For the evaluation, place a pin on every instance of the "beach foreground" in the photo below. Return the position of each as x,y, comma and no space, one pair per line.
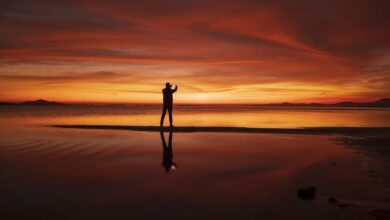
109,174
58,167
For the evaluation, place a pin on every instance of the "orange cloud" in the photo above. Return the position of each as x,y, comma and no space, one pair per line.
219,52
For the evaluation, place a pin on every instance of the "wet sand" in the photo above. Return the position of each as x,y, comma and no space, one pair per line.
380,131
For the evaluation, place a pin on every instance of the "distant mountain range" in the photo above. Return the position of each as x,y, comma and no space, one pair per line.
379,103
39,102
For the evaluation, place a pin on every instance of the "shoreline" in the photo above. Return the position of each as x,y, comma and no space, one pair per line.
191,129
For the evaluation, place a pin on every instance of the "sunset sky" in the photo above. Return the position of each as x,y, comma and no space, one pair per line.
123,51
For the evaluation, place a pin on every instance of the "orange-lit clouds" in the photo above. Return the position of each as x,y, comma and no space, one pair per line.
217,51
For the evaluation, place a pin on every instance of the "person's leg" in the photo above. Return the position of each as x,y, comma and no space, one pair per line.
163,115
170,116
170,138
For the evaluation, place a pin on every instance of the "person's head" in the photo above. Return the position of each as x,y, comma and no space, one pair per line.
167,85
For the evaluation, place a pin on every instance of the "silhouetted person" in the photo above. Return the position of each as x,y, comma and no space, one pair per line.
167,102
167,163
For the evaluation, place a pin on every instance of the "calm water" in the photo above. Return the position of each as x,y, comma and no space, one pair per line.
244,116
55,173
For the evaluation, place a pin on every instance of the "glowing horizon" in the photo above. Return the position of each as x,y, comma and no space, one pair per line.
222,53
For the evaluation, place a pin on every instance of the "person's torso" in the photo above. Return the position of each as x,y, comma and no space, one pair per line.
168,97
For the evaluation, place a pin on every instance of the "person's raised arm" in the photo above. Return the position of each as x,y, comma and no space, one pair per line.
175,89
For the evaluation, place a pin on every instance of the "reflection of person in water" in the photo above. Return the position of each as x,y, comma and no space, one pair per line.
167,163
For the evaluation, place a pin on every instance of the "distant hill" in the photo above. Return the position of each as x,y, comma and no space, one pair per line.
379,103
41,102
382,103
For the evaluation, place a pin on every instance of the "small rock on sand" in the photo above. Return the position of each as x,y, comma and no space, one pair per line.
307,192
